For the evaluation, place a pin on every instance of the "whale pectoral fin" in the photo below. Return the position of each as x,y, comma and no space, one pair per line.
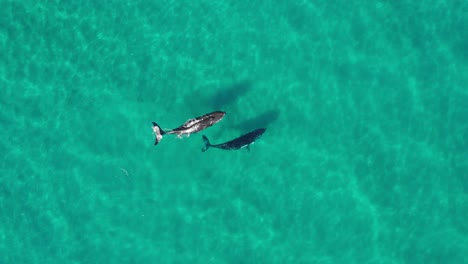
248,148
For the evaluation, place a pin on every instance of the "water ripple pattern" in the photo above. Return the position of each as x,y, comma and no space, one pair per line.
364,160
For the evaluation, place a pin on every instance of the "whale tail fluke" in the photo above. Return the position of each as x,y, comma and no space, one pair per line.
158,132
207,144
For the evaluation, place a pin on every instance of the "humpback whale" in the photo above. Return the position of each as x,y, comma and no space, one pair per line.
243,141
191,126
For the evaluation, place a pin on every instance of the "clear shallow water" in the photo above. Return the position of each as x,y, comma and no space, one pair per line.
364,159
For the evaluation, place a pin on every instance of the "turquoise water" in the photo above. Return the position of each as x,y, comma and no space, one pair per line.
365,157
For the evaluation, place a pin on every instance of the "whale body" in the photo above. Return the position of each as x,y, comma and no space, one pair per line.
191,126
243,141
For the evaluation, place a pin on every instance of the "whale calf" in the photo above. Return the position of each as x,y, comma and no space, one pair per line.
191,126
243,141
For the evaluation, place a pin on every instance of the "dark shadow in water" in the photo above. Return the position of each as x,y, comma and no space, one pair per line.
263,120
218,99
229,95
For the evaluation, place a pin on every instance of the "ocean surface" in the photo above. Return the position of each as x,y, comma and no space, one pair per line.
364,158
